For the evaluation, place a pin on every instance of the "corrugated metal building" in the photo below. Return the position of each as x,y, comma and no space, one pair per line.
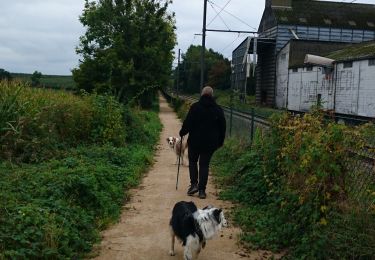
347,88
284,20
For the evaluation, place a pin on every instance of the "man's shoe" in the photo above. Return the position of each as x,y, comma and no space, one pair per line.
202,194
193,189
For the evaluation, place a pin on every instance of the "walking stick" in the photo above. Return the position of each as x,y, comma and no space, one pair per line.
179,158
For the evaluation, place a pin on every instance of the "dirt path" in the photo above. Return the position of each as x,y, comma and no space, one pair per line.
143,233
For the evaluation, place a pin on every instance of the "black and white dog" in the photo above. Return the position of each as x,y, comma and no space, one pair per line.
194,226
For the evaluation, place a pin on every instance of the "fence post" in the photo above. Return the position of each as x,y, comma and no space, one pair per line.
252,125
231,115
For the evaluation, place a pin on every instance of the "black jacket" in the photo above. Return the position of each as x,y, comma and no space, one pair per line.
205,124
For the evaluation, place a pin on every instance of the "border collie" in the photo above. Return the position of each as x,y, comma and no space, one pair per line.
194,226
175,145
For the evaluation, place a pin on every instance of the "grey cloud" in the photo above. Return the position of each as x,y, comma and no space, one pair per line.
40,35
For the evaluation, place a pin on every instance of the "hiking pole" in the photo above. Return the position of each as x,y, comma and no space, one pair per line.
179,158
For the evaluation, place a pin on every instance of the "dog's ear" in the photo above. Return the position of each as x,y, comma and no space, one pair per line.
217,215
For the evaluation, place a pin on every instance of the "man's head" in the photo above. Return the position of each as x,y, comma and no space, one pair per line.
207,91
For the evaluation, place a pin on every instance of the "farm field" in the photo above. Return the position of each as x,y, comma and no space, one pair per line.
49,81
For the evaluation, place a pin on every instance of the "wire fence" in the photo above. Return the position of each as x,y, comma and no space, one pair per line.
241,124
360,165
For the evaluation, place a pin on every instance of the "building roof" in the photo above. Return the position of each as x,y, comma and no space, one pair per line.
359,51
299,49
327,14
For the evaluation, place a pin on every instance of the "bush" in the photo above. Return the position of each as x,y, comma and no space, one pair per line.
298,190
55,209
36,124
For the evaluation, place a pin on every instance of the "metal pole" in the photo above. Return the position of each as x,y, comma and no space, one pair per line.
252,124
230,31
231,114
178,72
203,50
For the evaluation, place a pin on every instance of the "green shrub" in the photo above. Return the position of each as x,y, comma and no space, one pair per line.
297,191
107,121
135,120
55,209
37,124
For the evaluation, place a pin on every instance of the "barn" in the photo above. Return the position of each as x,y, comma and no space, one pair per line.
285,20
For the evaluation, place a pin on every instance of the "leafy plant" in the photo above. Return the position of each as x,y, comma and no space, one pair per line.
298,189
55,209
39,123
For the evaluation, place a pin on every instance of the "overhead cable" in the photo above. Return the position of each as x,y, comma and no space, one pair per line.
239,19
217,14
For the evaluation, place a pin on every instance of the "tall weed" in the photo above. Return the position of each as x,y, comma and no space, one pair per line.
37,124
297,190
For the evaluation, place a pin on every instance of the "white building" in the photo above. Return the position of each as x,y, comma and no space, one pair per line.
347,87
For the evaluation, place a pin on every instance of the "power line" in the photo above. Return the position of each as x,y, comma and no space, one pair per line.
230,44
239,19
219,12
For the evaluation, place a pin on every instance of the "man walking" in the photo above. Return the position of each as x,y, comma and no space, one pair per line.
205,124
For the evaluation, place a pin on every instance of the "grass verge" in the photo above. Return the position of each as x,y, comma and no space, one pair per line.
55,206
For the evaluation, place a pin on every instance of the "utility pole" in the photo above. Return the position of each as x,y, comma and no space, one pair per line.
203,50
178,72
204,30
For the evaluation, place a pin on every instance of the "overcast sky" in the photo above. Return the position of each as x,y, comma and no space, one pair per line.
42,34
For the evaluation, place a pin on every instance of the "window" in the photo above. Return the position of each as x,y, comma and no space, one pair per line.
348,64
352,23
371,62
295,69
283,56
309,68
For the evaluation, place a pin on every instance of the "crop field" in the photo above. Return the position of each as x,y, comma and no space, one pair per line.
49,81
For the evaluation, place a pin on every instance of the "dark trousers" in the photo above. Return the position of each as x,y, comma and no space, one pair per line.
204,158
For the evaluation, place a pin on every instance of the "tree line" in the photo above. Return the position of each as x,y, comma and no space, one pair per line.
127,48
217,70
35,77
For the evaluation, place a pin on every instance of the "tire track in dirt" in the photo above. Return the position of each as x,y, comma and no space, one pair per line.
143,232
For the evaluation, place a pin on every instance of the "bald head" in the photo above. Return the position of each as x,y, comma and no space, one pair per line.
207,91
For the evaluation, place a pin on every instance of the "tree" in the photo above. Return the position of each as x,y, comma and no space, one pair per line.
217,70
219,74
127,48
5,75
35,78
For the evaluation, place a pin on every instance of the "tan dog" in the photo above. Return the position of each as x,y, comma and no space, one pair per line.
175,145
